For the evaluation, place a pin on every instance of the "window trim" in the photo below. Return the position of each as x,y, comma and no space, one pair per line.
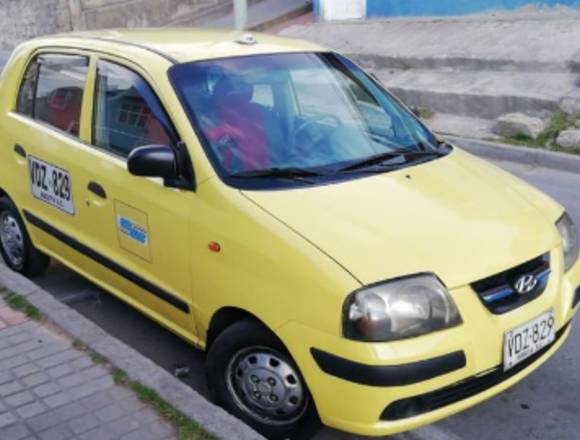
169,130
21,82
34,57
186,178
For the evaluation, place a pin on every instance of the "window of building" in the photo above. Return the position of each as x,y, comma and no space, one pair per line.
127,113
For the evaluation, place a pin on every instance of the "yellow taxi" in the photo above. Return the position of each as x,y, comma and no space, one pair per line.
268,201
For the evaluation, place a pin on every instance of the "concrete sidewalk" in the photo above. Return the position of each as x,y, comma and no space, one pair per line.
52,391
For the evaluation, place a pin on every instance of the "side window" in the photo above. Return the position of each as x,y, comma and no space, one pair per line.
127,112
52,91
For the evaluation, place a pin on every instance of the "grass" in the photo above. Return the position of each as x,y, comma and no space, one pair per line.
559,122
187,429
79,345
425,113
98,359
21,304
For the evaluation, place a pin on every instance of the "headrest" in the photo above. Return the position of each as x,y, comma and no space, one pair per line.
233,90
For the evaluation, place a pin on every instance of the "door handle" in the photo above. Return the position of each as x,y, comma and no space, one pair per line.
97,189
19,149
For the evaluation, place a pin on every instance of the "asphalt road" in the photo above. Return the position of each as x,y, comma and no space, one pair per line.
544,406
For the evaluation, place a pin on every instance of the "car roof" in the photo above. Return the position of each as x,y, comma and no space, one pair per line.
181,45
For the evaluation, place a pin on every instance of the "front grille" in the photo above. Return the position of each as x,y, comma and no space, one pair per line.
497,292
414,406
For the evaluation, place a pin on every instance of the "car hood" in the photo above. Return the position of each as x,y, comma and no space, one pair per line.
453,216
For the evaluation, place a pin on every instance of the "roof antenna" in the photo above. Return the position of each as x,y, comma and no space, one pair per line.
247,39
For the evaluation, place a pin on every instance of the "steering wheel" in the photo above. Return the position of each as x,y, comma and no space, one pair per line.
312,120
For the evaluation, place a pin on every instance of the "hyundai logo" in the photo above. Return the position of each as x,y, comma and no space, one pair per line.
525,284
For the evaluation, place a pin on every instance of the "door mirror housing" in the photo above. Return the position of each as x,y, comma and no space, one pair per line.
153,161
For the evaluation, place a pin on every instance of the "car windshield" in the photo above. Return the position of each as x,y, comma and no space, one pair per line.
297,116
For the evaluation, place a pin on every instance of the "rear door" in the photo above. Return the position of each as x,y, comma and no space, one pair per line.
45,128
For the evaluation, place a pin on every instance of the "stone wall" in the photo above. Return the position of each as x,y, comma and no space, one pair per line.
24,19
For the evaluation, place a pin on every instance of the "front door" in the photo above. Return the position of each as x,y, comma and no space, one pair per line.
135,229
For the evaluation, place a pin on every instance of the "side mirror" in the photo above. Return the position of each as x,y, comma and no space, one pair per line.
153,161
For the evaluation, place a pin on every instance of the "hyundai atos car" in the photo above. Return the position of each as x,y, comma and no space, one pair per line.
271,203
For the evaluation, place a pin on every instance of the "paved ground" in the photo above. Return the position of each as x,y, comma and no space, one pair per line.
543,406
51,391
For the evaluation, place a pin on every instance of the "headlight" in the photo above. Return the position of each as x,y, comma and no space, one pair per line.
399,309
570,243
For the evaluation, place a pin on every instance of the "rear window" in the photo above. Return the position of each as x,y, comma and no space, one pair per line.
52,91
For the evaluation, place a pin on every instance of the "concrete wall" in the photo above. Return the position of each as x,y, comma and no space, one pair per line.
98,14
24,19
401,8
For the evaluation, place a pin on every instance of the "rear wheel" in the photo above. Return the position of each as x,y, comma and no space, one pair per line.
252,376
15,245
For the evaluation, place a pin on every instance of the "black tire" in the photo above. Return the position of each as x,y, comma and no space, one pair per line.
243,337
32,262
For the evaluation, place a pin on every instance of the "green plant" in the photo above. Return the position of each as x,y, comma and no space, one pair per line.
425,113
98,359
21,304
79,345
187,429
559,122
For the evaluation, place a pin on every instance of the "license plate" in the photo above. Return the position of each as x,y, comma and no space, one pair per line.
522,342
51,184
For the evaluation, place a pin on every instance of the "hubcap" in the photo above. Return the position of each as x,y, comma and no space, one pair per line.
266,387
12,239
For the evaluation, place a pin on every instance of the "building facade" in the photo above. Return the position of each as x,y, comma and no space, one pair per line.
359,9
24,19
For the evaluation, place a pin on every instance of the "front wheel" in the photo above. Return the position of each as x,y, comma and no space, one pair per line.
253,377
16,247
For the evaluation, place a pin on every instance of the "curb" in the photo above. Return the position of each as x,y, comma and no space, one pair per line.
525,155
212,418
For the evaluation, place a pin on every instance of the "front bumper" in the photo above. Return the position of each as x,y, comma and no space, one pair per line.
383,389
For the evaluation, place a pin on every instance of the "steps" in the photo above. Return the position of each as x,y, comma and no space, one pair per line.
469,70
478,94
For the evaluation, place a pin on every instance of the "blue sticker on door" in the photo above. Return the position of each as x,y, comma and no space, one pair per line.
133,230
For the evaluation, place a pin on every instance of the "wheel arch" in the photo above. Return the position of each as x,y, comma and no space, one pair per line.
224,318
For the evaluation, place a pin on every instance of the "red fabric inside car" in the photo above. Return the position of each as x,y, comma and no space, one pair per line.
241,120
156,134
64,107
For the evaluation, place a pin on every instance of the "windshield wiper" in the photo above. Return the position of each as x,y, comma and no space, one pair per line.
300,174
379,159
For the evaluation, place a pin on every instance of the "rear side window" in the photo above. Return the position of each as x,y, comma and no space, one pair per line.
52,91
25,104
127,113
